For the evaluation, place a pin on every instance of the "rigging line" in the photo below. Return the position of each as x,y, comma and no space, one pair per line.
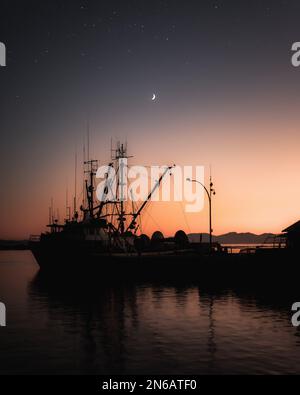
134,210
140,222
139,219
157,166
109,186
155,222
140,225
185,217
79,197
147,213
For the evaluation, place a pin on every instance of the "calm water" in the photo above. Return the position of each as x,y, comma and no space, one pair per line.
64,327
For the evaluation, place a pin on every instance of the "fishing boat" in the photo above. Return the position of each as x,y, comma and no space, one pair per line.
107,234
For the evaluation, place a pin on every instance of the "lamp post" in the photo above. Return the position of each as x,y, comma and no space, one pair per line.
209,193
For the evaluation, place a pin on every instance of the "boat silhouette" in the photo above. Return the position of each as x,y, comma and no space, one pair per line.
106,236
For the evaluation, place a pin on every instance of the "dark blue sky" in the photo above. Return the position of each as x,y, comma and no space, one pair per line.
73,61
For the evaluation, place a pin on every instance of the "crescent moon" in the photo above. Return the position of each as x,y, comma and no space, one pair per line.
153,97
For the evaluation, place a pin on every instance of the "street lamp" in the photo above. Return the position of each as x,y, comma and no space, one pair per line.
209,193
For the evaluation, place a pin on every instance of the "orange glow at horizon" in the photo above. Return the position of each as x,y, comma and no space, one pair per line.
255,164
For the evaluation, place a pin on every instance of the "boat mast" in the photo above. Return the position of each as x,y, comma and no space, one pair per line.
90,188
75,189
120,157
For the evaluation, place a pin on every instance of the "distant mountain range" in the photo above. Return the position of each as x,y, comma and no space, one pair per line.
234,238
228,238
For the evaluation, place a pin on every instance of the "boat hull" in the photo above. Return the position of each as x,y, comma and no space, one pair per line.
218,268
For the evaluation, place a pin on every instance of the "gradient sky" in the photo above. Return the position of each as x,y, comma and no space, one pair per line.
227,96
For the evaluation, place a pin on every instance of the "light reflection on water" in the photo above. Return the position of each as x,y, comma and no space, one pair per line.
70,327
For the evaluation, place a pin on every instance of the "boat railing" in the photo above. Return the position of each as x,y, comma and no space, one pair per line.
275,242
35,238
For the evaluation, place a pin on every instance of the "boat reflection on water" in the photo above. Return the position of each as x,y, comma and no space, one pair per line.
167,328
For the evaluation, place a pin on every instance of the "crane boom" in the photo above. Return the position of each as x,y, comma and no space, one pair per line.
149,197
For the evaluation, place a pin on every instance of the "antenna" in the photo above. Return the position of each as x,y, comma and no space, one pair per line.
83,169
68,213
88,140
83,151
52,216
75,184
